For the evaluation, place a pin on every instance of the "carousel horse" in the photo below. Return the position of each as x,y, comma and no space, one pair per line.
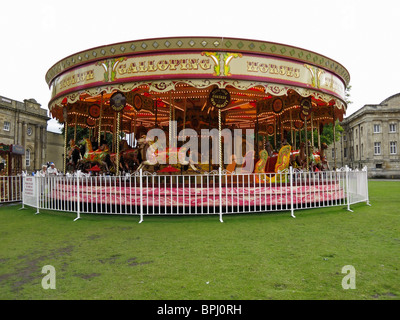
129,157
282,163
248,163
269,149
232,165
299,158
195,164
260,166
101,156
73,155
152,155
323,164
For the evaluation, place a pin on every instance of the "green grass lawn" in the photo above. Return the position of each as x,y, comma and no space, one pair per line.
249,256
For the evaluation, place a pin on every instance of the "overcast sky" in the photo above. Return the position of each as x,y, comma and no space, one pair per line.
364,35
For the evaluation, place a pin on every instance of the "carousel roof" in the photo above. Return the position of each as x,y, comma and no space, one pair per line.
267,82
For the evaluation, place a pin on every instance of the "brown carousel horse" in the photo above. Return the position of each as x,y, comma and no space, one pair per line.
73,156
130,158
323,164
299,158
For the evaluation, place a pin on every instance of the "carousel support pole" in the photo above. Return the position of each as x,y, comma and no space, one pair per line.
174,127
76,120
299,137
134,127
113,147
334,139
184,116
117,144
291,127
65,144
312,131
155,113
319,137
220,139
170,122
275,133
257,156
305,133
220,163
210,140
101,115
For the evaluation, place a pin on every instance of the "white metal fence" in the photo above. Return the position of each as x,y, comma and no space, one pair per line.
10,189
184,194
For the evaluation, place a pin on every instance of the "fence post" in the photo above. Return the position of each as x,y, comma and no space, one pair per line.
291,192
38,192
78,196
347,188
141,195
220,195
366,179
22,191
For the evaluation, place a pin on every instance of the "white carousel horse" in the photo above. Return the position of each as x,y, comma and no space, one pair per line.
153,156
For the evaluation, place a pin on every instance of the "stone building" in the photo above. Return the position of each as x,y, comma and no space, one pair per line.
25,124
371,138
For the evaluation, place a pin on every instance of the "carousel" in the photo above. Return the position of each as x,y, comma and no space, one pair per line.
278,97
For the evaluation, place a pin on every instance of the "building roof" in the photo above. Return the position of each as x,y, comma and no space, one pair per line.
390,104
391,98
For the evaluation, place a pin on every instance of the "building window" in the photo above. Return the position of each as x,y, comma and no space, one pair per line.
345,152
377,148
392,127
393,147
7,126
27,157
333,153
378,166
344,138
29,131
377,128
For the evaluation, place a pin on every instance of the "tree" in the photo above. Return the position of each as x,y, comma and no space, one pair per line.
81,133
347,95
327,133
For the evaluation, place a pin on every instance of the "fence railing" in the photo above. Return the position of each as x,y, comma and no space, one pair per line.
193,194
10,189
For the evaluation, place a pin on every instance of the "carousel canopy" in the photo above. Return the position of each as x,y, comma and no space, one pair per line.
263,82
